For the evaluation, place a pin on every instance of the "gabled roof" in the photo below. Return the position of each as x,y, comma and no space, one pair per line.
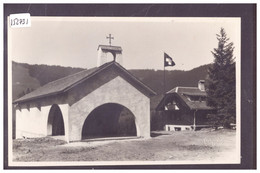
183,93
66,83
192,91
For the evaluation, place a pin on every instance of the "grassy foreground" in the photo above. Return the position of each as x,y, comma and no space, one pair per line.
202,145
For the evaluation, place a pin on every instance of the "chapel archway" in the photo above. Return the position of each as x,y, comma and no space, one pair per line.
109,120
55,125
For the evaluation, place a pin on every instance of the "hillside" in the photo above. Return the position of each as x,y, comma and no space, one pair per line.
22,80
173,78
29,77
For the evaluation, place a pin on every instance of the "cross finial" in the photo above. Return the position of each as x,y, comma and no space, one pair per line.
110,37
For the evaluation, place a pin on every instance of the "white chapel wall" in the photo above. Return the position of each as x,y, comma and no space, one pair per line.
115,91
33,122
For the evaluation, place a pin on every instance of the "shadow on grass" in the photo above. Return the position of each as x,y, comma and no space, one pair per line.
156,134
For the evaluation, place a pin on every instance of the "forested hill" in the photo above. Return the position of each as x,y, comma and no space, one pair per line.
173,78
29,77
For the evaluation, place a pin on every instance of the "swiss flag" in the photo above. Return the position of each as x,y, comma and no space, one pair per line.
168,60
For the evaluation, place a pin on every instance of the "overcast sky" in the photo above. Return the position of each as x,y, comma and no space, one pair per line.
74,41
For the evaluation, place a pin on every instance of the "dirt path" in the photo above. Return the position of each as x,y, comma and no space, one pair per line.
178,146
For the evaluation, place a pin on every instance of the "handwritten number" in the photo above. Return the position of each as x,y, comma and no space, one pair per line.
17,21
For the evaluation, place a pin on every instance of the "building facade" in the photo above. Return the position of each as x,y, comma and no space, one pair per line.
106,98
185,108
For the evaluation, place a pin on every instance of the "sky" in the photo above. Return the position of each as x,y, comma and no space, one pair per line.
73,41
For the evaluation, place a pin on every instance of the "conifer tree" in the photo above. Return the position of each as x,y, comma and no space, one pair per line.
221,82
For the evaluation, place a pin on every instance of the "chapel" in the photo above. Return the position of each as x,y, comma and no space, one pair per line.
101,102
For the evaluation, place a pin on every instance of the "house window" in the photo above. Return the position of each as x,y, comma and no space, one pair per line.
177,128
172,106
201,99
175,105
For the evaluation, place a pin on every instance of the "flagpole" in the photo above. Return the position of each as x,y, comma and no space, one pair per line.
164,86
167,62
164,80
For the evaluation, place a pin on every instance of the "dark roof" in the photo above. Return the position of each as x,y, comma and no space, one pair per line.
107,47
192,91
66,83
183,93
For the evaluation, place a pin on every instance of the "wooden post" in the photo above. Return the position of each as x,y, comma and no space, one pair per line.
194,121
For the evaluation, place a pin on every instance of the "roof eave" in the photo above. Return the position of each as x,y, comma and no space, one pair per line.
203,109
64,90
37,97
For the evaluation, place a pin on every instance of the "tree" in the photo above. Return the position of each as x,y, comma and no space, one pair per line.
221,82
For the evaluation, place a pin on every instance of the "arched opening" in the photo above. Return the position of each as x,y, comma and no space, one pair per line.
110,56
55,126
109,120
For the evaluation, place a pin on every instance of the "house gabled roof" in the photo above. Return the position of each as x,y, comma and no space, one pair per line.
183,94
192,91
66,83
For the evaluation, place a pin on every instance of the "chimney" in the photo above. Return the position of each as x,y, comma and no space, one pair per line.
104,50
201,85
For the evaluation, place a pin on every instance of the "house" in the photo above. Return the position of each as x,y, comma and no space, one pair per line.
185,108
105,101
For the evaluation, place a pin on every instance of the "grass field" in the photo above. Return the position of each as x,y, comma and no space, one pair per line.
163,146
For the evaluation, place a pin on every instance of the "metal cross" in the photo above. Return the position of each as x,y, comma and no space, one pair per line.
110,39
